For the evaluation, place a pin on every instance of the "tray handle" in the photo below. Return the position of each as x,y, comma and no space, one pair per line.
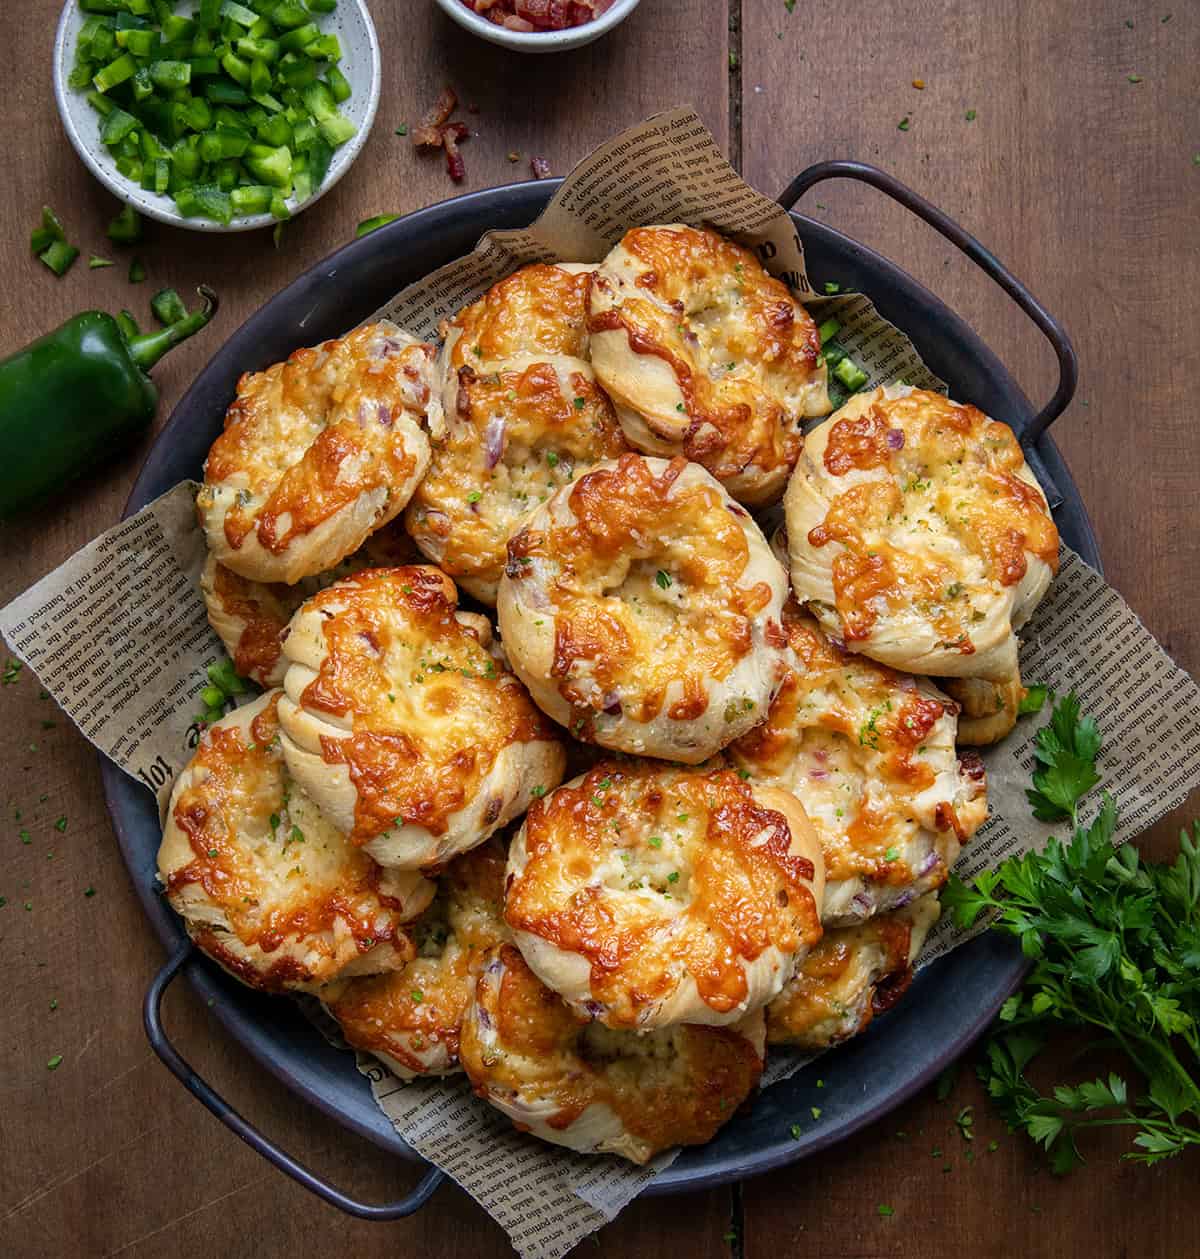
1068,364
181,1069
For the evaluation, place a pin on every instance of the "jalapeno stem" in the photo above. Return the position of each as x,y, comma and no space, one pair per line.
147,349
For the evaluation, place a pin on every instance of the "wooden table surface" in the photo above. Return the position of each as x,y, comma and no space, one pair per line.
1084,182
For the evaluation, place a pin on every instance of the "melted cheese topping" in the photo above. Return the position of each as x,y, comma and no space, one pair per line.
514,436
539,309
410,1018
853,974
250,617
317,452
919,532
578,1084
643,594
407,698
268,888
716,357
870,754
646,894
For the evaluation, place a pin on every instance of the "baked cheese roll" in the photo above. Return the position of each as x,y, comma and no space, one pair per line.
539,310
318,452
249,617
641,607
410,1018
853,974
577,1083
513,437
706,355
870,754
265,885
988,710
918,534
647,895
414,739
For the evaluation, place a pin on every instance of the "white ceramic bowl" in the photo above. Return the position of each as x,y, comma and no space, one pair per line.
537,41
360,64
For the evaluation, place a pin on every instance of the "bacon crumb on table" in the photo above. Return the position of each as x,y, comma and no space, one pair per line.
435,131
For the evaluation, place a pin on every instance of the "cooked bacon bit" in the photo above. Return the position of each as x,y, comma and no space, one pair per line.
919,84
538,15
540,167
513,155
452,135
428,132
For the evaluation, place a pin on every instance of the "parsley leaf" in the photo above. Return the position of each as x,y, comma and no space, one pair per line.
1066,750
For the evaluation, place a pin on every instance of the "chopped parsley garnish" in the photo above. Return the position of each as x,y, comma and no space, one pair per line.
274,820
797,1132
902,125
891,854
89,891
1033,700
655,841
61,823
474,496
12,671
885,1211
552,459
673,877
54,1063
971,115
580,403
418,996
662,579
538,792
815,1111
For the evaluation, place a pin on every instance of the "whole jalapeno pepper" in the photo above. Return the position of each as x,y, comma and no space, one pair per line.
76,396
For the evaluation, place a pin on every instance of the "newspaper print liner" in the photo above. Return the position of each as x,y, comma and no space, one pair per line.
134,594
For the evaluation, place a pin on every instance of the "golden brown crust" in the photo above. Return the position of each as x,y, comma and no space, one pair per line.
638,605
411,1017
250,617
668,887
405,696
515,436
989,710
853,974
742,353
539,309
317,452
916,527
870,753
576,1084
267,888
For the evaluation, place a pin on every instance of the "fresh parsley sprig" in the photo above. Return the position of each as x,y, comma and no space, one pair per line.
1115,944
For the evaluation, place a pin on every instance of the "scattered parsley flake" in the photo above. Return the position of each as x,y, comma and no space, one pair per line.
797,1132
474,496
971,115
402,129
655,841
418,996
903,124
885,1211
538,792
12,671
891,854
61,824
1134,78
54,1063
89,891
662,579
815,1111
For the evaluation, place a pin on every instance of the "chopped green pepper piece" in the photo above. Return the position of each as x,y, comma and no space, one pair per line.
339,85
137,271
95,263
167,306
828,330
59,256
115,72
117,126
50,231
251,199
850,374
369,225
126,228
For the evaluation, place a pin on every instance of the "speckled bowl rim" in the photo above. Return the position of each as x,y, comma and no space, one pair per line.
159,206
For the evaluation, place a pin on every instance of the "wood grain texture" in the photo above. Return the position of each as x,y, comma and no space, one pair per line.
1081,181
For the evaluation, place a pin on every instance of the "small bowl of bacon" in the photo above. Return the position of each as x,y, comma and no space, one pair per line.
538,25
